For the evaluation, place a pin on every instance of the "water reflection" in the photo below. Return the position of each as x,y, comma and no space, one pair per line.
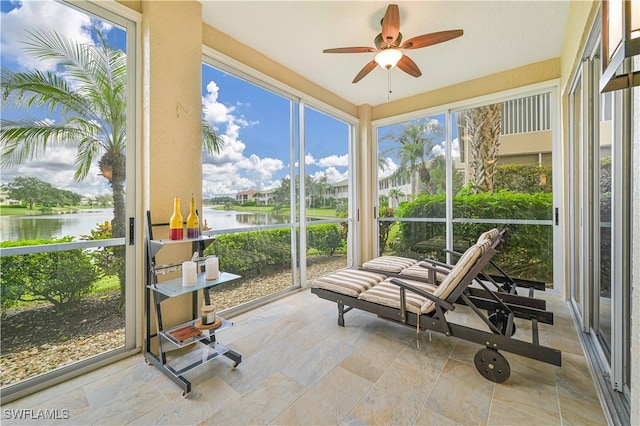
16,228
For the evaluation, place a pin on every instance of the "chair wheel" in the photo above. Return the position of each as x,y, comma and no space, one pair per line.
492,365
500,321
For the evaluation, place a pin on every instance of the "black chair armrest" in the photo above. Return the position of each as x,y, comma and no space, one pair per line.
435,299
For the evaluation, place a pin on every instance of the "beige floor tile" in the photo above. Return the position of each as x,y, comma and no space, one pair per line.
263,403
529,395
574,379
461,394
578,412
399,395
372,357
204,400
503,413
429,417
328,402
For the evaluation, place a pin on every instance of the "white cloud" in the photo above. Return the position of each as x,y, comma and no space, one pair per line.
261,168
332,174
438,150
334,160
44,16
389,168
231,171
308,159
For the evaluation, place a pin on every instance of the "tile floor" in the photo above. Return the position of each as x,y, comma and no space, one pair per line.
299,367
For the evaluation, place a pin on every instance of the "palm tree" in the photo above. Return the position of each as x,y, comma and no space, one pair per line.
483,127
88,92
416,143
395,194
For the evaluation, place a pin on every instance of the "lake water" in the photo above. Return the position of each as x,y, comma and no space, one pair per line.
15,228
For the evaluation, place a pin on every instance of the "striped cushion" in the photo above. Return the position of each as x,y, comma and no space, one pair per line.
418,271
462,267
388,294
393,264
351,282
489,235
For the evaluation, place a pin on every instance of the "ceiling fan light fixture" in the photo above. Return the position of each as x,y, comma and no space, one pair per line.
388,58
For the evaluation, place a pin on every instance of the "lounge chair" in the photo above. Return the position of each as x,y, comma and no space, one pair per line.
435,271
424,306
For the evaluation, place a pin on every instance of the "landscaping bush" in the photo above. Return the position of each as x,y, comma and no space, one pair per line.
62,277
524,178
325,238
528,250
252,251
239,253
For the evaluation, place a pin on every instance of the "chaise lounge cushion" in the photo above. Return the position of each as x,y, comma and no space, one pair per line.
488,235
418,271
461,268
350,282
388,294
394,264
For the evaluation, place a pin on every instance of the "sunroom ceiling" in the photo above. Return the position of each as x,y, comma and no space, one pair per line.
498,36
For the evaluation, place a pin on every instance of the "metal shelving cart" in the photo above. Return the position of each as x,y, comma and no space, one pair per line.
205,346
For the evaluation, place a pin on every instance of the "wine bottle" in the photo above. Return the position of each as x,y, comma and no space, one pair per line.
193,223
175,223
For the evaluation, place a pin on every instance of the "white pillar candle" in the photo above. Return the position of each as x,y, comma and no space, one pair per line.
189,273
211,267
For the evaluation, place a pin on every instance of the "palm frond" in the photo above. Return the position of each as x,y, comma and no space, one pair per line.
210,141
27,139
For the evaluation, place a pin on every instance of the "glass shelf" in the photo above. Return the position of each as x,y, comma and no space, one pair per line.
199,356
174,287
156,245
204,334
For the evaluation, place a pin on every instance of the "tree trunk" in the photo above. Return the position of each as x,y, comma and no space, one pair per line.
118,224
483,127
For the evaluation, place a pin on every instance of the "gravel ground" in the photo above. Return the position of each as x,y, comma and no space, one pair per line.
40,339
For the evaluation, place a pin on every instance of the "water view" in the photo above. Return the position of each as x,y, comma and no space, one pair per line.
15,228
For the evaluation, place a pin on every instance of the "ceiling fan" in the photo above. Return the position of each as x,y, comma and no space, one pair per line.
389,45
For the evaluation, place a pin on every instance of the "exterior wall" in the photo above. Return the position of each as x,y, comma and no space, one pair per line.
526,143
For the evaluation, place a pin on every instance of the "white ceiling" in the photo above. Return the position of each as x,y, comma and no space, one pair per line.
498,35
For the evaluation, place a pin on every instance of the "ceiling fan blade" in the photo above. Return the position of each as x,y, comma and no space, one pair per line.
391,24
407,65
364,71
350,50
425,40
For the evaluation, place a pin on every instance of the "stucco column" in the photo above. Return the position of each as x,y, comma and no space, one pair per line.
172,105
367,185
172,123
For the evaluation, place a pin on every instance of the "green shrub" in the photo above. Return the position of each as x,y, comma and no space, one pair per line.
62,277
326,238
528,250
239,253
524,178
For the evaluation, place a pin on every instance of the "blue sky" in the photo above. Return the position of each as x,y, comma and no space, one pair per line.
252,122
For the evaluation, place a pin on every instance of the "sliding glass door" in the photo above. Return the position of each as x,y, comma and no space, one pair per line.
445,178
68,191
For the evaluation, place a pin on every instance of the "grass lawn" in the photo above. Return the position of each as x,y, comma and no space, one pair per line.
25,211
321,212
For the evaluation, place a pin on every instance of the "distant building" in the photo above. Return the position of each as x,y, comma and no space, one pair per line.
5,200
266,197
245,196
